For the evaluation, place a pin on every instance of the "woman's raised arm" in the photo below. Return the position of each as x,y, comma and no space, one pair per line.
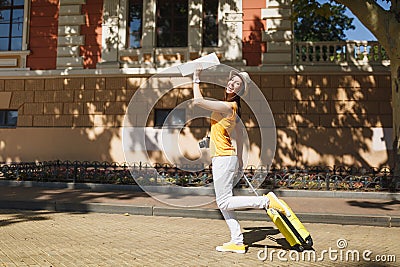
213,105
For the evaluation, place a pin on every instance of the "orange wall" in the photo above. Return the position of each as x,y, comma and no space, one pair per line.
253,25
44,25
43,31
43,34
91,51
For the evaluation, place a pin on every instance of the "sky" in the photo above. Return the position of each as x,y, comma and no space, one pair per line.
360,33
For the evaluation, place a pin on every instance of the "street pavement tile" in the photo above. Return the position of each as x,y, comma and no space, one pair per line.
44,238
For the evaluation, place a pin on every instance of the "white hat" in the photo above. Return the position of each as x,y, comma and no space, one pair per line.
245,78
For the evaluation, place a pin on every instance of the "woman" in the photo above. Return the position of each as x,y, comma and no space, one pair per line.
226,161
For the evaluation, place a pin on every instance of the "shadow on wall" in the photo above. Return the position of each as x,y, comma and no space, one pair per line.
253,45
325,119
43,32
91,51
322,120
67,118
333,122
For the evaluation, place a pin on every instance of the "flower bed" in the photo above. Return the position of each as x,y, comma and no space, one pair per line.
307,178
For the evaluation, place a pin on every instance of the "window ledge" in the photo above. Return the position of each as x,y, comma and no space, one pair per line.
11,60
12,53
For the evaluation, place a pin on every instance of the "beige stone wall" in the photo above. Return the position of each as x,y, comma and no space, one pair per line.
320,119
70,102
330,119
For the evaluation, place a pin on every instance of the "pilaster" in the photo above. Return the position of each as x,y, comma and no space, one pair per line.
231,31
69,35
110,35
149,28
279,32
195,28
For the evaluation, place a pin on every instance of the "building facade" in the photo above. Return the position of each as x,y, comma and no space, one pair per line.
69,69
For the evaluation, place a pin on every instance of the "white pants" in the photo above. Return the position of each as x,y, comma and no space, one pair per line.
225,176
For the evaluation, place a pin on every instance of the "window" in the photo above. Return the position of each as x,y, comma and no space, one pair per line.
210,23
172,23
176,117
8,118
135,19
11,24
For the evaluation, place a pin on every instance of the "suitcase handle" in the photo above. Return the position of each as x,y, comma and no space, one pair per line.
255,192
250,185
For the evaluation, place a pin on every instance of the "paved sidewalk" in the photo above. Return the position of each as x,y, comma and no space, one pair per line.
356,211
46,238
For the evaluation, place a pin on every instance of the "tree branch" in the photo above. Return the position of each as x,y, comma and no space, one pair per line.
372,16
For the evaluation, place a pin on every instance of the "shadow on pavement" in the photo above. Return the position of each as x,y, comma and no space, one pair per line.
46,198
374,205
65,194
63,199
14,216
253,235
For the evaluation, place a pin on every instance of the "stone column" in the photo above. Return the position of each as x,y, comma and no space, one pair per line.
110,35
279,32
148,32
230,30
195,29
69,38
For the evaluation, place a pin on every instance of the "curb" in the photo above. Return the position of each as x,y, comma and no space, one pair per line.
366,220
382,221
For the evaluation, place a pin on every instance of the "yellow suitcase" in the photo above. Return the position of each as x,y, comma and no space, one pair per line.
291,228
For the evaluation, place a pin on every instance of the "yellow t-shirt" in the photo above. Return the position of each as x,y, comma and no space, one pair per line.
222,126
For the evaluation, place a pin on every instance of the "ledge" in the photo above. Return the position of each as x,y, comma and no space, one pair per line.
276,69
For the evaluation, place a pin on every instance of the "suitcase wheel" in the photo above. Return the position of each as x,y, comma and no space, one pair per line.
306,245
309,242
298,248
